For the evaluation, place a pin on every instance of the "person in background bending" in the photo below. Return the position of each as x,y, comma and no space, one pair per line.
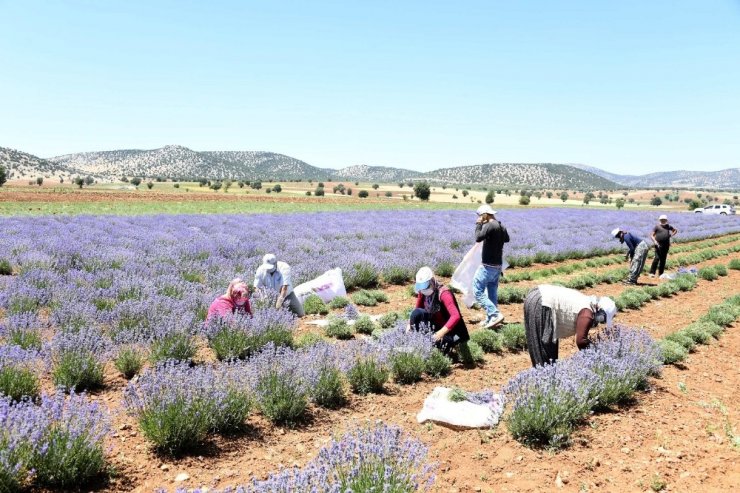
661,236
485,283
637,252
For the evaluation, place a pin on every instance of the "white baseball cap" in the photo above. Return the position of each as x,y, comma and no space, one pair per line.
663,217
423,278
615,232
269,260
485,209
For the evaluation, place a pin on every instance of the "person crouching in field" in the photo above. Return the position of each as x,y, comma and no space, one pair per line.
552,313
636,254
436,307
275,275
235,301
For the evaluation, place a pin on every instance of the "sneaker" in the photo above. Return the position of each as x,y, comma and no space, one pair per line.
651,275
629,283
494,321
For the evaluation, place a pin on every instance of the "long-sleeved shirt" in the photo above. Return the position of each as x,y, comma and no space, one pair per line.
493,235
448,314
631,241
264,279
224,307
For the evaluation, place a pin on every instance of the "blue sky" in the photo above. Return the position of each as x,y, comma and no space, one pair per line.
628,86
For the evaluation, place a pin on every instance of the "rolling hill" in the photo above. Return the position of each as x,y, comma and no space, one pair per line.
379,174
726,178
540,175
178,161
21,165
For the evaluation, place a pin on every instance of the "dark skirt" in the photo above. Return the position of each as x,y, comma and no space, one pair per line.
538,325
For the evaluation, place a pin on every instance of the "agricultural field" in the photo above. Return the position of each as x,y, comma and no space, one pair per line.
188,198
111,309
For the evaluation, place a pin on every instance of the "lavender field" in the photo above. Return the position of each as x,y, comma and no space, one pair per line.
81,292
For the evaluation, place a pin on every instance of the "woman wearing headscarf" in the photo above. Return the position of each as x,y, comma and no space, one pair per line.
234,301
437,308
552,313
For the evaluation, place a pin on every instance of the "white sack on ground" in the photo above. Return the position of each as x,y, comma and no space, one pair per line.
327,286
440,409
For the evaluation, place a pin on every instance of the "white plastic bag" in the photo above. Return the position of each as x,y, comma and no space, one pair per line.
462,278
327,286
440,409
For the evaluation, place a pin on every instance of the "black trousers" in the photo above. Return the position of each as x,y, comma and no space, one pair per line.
661,254
421,319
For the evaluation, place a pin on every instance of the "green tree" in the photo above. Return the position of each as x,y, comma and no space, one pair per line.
3,176
79,181
277,188
240,184
586,199
89,180
619,203
149,185
655,201
549,194
256,185
363,194
694,204
524,200
319,192
136,181
422,190
40,180
490,197
564,196
375,186
465,193
389,194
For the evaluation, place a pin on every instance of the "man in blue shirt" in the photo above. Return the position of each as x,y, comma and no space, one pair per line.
637,253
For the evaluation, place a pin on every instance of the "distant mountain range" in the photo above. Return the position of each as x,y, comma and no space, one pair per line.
726,178
178,162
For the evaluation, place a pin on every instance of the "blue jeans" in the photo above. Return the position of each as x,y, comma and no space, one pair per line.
486,279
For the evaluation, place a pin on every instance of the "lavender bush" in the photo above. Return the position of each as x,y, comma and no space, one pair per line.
77,358
282,383
374,459
58,443
19,370
22,330
177,405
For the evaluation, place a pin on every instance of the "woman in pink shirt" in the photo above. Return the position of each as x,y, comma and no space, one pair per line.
436,308
236,300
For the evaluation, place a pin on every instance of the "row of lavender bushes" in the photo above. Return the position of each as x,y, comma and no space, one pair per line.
676,346
547,402
178,405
